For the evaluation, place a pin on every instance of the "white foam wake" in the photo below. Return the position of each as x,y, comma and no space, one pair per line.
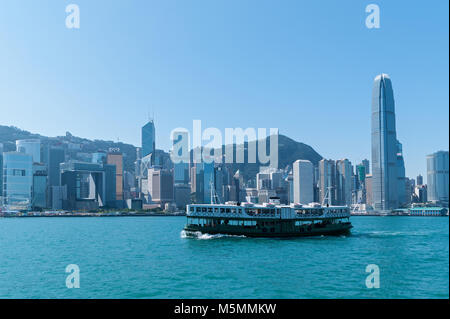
200,235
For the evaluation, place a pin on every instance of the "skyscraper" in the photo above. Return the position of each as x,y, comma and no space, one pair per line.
384,145
181,165
344,173
419,180
366,164
148,138
303,178
437,177
116,158
160,185
401,178
327,181
17,180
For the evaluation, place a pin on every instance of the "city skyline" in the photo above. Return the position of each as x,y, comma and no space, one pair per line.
103,83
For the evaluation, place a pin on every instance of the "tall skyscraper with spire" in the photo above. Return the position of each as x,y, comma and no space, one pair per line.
148,138
384,146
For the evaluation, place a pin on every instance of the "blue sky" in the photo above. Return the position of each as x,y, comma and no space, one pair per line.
305,67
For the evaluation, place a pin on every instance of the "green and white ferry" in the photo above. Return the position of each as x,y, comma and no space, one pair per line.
267,220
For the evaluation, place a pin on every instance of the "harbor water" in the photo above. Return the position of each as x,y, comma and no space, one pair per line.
150,257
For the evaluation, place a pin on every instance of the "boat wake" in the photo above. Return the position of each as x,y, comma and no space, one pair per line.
397,233
200,235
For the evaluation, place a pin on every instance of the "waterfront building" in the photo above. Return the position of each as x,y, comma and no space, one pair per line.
428,211
420,193
182,195
116,159
264,195
368,184
384,145
58,195
437,177
39,189
344,177
361,177
401,178
56,156
262,181
327,181
148,138
303,178
88,185
17,180
30,146
160,186
181,165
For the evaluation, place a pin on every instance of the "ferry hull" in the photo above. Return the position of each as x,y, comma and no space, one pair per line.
328,230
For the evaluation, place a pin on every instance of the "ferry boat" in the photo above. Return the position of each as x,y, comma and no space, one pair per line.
267,220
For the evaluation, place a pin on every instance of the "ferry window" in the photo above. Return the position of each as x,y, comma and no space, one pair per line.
227,210
222,210
233,210
204,210
191,208
199,209
216,209
209,209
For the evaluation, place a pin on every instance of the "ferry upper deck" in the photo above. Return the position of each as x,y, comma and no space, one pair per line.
267,211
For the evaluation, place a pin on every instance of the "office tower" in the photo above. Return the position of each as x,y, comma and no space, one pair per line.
361,177
401,178
99,157
208,181
116,159
56,156
219,179
327,182
420,193
160,185
419,180
182,195
262,181
30,146
366,164
409,190
148,138
303,178
437,177
88,185
182,158
344,174
290,181
384,145
369,193
17,180
39,189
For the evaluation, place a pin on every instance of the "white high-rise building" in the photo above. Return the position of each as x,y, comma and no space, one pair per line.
437,177
303,178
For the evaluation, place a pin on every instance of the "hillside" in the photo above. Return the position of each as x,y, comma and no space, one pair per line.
289,150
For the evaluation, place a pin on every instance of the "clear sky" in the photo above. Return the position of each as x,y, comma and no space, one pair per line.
305,67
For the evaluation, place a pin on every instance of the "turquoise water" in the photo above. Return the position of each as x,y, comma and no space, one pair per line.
147,257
